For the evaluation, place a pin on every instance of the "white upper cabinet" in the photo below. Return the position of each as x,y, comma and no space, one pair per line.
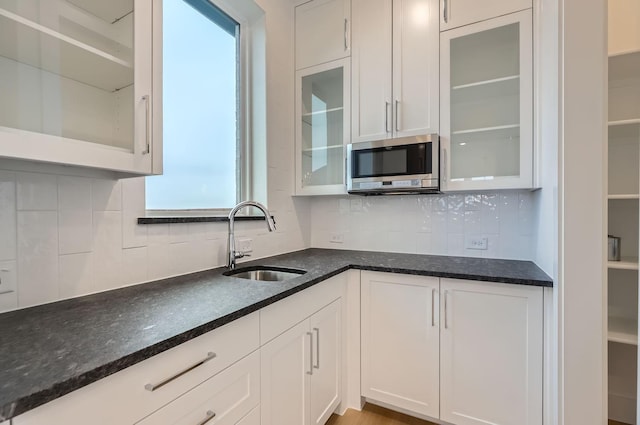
395,68
456,13
77,83
322,127
322,32
624,26
486,89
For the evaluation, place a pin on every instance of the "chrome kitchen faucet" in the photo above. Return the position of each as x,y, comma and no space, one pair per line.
232,254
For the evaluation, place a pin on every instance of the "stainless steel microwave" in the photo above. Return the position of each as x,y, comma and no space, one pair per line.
394,166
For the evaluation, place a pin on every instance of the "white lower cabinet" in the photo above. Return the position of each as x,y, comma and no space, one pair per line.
301,371
464,352
224,399
490,353
253,418
400,341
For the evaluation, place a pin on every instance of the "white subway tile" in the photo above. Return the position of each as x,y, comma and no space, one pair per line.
76,275
423,243
455,221
8,301
455,203
472,222
490,214
455,244
134,235
135,265
157,234
106,195
74,193
8,285
159,261
179,232
37,192
75,231
37,257
107,251
8,220
472,202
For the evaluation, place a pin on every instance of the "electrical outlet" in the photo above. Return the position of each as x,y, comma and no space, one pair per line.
336,238
244,245
477,243
8,277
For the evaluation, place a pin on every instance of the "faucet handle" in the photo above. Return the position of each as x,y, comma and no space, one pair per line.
240,254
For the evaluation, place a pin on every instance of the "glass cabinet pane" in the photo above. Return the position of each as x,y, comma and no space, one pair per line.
322,128
485,104
66,69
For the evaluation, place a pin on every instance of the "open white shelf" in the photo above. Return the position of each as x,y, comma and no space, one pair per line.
623,330
487,82
486,129
626,263
322,148
624,66
44,48
325,111
624,196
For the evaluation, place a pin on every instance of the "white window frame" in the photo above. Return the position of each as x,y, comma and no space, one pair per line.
244,151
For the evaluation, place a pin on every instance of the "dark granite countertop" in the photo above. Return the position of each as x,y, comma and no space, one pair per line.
50,350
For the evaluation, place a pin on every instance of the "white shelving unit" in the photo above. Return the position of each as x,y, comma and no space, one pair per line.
623,212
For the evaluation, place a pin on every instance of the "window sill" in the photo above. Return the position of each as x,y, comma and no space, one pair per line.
197,219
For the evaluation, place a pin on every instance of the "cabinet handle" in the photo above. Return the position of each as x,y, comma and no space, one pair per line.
147,131
153,387
310,372
210,415
386,116
433,305
397,107
446,322
444,165
317,331
346,25
445,11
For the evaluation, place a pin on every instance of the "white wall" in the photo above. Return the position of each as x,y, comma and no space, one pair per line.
429,224
67,234
582,228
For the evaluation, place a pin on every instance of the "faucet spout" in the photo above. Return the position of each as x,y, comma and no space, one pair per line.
232,254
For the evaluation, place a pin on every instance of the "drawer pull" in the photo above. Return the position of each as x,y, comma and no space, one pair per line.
317,331
210,415
153,387
310,372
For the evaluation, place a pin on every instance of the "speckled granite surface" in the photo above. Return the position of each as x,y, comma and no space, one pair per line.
51,350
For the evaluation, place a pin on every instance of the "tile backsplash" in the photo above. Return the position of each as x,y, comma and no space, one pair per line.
65,236
428,224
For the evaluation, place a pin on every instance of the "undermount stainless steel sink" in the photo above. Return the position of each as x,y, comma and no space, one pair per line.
265,274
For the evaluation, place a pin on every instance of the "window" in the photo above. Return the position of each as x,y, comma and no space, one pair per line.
202,142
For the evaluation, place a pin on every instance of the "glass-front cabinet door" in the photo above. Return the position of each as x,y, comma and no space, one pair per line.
322,128
76,82
486,104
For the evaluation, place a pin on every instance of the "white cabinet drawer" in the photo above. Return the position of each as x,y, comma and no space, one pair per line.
278,317
224,399
123,398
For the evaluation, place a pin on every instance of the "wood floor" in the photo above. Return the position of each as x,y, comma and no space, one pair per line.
374,415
